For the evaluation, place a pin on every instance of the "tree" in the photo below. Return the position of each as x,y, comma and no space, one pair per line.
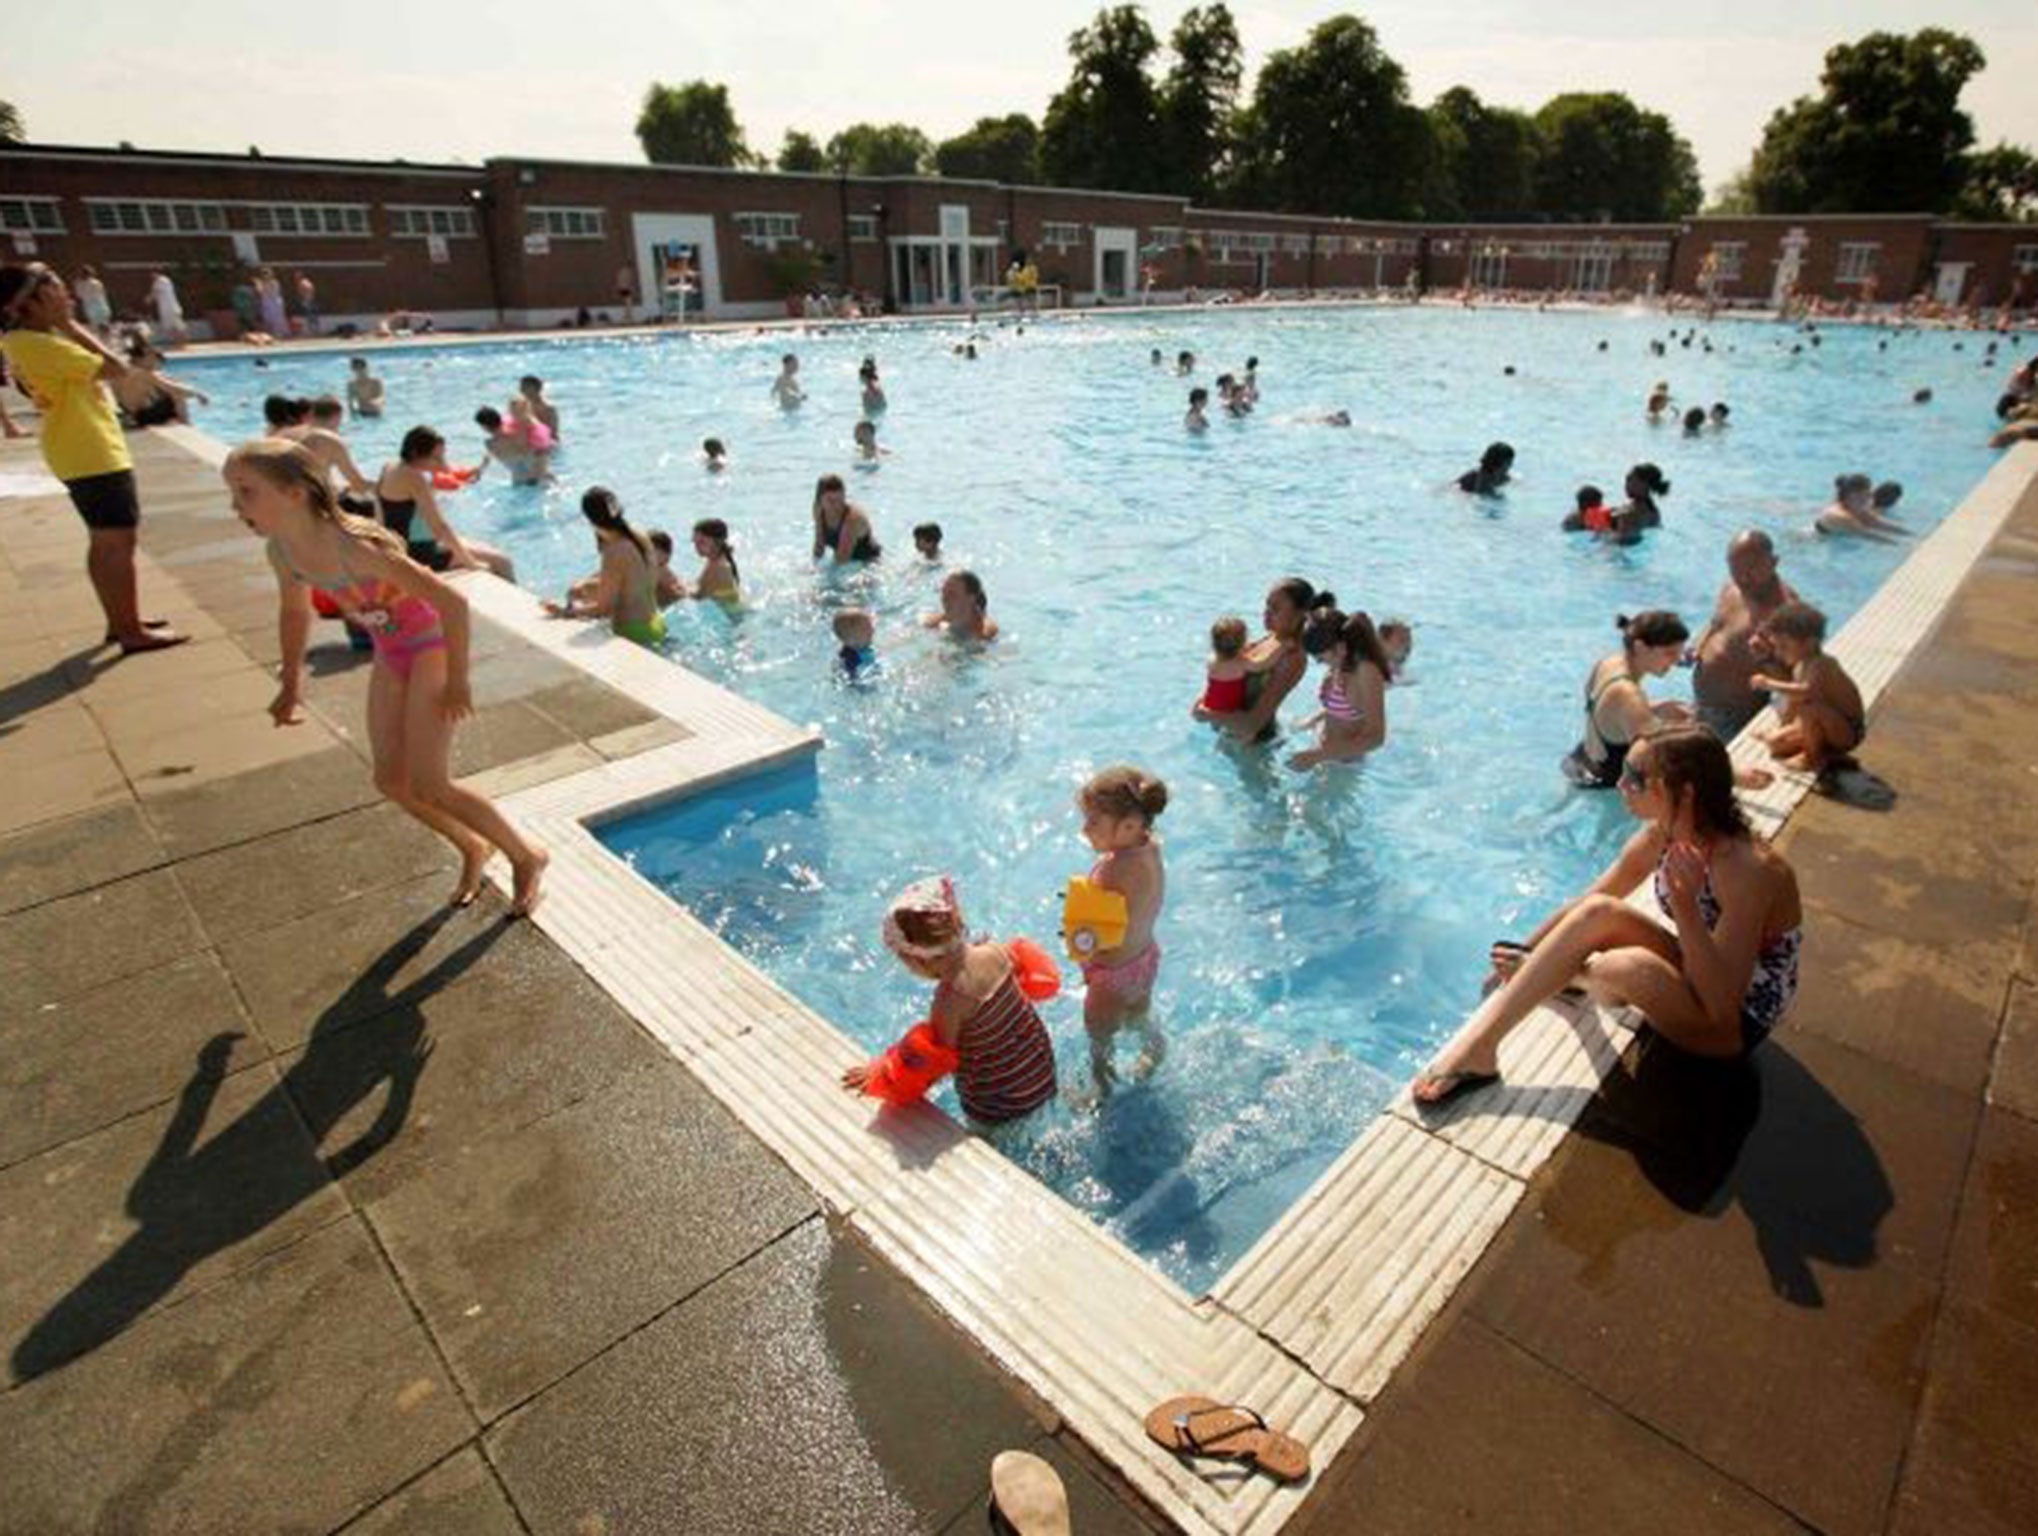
1734,195
871,149
1331,129
12,130
1485,159
1885,134
1604,157
1003,149
2001,187
1199,99
801,152
691,124
1102,128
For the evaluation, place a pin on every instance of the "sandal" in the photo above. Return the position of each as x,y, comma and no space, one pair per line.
1027,1498
1198,1426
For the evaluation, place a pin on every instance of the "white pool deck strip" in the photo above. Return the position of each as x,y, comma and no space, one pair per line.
1311,1323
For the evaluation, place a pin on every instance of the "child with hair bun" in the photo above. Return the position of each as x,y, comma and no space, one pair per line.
1119,807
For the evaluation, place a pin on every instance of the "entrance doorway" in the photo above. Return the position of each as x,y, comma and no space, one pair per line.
1117,263
676,266
1951,281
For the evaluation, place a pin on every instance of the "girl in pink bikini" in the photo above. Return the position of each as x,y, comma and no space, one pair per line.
1119,806
417,692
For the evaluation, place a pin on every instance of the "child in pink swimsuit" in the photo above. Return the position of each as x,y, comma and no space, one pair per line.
1119,806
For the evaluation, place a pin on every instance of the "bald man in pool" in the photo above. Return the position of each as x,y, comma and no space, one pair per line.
1727,650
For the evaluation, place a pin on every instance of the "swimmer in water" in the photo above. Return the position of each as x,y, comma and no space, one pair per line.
1195,420
927,542
1496,465
868,453
785,389
364,390
965,610
714,457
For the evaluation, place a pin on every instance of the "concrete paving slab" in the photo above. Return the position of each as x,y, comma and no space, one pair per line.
59,858
297,1394
103,1230
587,709
504,733
2013,1085
458,1497
1973,1469
530,1252
1995,1248
76,943
261,884
354,959
216,811
52,789
167,675
1479,1435
810,1390
70,1068
61,728
1798,1213
203,753
445,1070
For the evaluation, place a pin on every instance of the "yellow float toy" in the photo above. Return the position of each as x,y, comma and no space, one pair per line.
1092,918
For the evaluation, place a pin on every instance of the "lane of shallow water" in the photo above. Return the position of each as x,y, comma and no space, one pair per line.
1322,932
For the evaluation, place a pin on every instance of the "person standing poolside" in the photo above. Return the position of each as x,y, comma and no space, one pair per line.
1617,712
269,304
1715,984
307,302
92,300
841,528
1730,650
417,689
626,293
168,307
626,588
1277,661
62,364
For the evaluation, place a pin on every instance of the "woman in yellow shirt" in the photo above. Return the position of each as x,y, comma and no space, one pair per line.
62,364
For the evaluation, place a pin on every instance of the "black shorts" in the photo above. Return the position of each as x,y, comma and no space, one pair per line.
106,501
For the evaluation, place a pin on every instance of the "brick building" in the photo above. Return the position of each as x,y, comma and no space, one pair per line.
523,241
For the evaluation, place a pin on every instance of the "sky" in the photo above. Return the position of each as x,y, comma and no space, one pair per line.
377,80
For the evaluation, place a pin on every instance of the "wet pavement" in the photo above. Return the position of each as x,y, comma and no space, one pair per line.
324,1208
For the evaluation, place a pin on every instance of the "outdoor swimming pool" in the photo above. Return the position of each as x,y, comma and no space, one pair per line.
1322,933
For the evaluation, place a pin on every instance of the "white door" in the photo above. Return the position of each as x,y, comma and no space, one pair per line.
1952,281
1117,262
656,237
954,274
1788,266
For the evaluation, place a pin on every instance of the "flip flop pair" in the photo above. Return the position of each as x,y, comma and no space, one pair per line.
1201,1426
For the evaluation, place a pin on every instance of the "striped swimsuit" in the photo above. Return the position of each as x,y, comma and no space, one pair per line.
1007,1065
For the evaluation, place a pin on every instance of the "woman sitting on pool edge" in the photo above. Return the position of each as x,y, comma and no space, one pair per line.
626,591
841,527
965,609
1276,659
1713,986
1617,711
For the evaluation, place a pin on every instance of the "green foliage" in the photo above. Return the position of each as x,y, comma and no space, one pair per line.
872,149
691,124
1734,195
801,152
2001,186
1484,159
793,268
1604,157
12,129
1331,129
1003,149
1198,100
1885,134
1102,128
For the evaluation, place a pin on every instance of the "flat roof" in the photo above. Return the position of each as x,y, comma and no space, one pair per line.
212,159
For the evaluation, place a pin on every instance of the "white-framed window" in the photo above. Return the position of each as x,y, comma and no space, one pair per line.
1489,267
767,230
1857,260
1729,258
1061,236
1254,240
2024,259
417,221
1648,250
863,226
1295,245
35,215
1165,237
187,216
566,223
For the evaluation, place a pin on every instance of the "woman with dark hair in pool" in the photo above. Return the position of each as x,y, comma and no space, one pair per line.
840,526
1617,712
1644,484
1276,660
1715,983
1495,465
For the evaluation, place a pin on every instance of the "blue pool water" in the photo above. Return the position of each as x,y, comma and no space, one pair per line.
1322,932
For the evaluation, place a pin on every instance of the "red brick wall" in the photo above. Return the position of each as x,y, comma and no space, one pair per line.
1900,265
